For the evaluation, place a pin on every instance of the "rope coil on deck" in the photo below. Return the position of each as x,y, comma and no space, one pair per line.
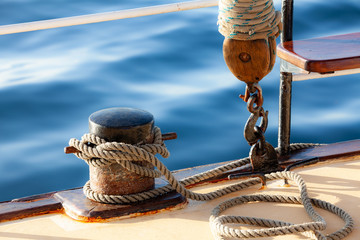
248,19
275,227
98,152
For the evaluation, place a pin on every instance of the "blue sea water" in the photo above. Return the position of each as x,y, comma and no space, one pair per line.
170,65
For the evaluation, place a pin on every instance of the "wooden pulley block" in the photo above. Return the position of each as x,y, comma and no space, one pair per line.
250,60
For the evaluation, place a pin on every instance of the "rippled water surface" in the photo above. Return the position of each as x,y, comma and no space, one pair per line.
170,65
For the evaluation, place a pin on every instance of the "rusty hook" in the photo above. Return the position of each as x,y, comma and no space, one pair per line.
250,131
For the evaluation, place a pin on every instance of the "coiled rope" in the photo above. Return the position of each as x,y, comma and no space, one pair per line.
101,153
274,227
248,19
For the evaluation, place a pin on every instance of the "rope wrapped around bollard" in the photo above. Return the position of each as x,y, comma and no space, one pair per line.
98,152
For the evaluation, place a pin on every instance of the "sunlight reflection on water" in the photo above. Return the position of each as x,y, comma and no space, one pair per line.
170,65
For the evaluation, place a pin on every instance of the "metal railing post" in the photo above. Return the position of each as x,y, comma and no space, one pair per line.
285,83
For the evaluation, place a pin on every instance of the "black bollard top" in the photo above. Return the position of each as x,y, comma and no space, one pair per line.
126,125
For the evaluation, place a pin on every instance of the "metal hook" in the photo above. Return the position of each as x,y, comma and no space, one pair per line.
250,131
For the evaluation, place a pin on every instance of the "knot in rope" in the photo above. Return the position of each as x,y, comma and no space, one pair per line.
248,19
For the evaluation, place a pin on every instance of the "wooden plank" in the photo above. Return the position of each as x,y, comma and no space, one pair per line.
326,152
323,55
29,206
77,206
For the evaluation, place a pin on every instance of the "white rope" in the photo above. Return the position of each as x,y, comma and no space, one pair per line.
107,16
104,153
248,19
274,227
